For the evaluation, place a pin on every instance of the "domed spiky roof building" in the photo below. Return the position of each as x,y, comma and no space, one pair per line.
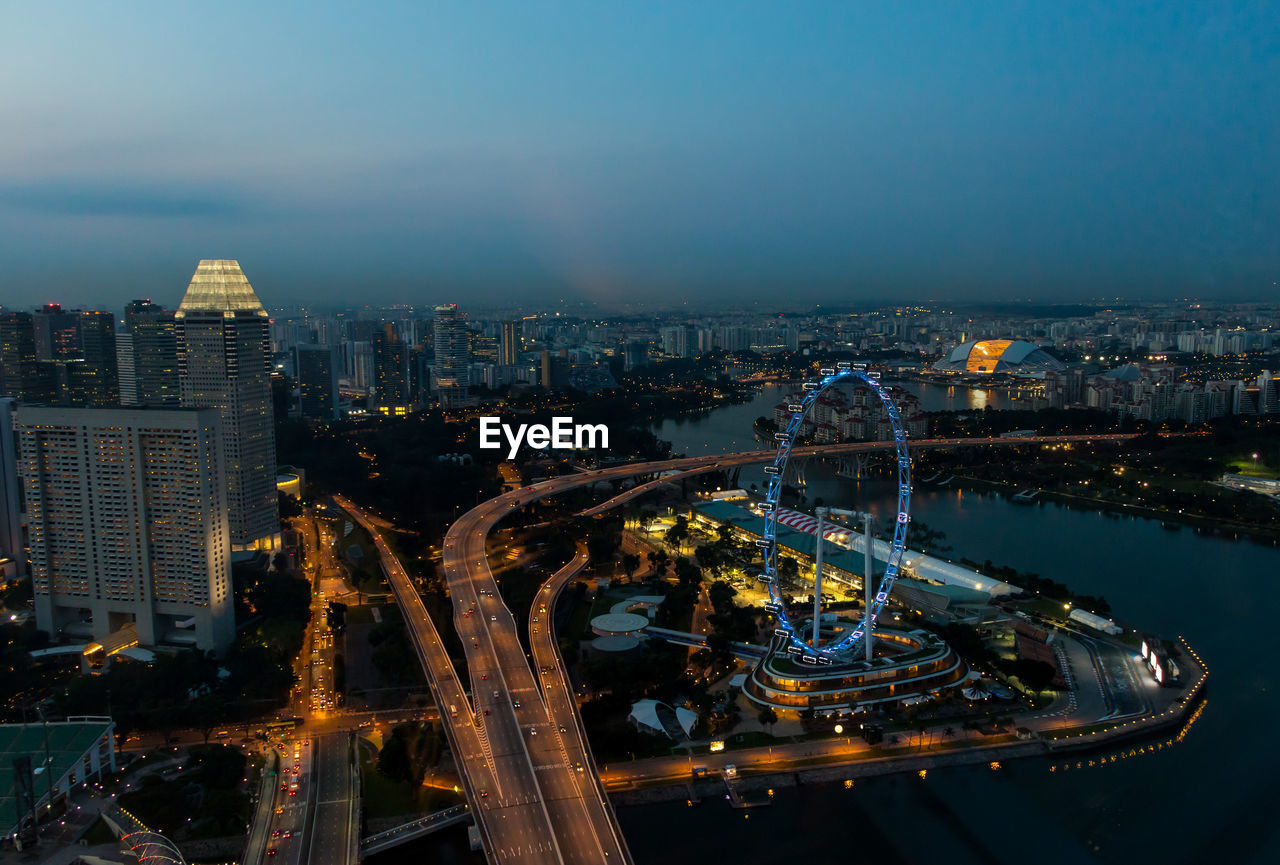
998,355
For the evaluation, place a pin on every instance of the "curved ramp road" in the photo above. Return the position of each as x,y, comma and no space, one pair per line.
518,739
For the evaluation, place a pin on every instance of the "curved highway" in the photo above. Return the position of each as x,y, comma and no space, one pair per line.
518,740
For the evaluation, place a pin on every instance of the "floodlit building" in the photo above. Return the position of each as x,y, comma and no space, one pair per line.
127,523
224,362
986,356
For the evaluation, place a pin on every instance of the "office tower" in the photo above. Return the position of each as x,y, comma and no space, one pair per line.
57,333
155,352
391,371
17,353
101,383
318,367
126,369
13,554
555,369
452,356
127,520
224,362
511,343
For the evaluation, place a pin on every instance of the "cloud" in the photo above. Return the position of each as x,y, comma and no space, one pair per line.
70,198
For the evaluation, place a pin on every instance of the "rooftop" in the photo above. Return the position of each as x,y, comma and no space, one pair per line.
219,285
68,743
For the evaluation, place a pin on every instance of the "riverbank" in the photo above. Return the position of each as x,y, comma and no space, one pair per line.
672,779
1213,525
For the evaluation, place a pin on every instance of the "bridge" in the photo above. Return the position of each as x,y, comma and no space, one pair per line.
530,802
413,830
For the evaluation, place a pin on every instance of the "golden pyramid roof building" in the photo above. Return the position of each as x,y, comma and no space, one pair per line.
220,285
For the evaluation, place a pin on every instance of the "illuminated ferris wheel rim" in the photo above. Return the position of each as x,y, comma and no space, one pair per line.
769,538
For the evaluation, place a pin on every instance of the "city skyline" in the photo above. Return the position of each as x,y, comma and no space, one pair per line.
635,156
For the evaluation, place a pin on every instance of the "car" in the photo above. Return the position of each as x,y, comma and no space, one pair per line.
484,794
287,833
515,704
577,765
486,711
495,695
275,834
493,618
293,792
564,729
475,644
533,731
284,787
484,676
271,851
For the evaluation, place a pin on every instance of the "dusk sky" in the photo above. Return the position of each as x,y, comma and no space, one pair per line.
609,151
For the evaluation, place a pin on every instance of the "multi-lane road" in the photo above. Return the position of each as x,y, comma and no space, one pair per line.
512,740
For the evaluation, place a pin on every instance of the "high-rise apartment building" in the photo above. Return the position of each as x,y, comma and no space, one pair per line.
153,330
127,522
318,367
224,362
453,361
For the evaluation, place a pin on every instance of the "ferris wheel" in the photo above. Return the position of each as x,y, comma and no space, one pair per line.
768,541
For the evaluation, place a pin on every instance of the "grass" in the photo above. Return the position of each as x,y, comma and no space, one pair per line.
383,797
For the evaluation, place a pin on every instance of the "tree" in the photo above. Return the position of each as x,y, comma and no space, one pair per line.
659,559
788,570
687,572
204,713
1035,675
767,717
677,534
630,564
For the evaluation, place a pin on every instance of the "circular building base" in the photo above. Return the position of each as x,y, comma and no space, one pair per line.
907,664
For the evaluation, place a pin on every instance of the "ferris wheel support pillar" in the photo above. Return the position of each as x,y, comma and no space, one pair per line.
868,571
821,514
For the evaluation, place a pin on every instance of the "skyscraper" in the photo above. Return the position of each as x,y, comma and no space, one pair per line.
224,362
99,373
452,356
17,353
391,370
155,351
57,333
126,369
127,519
318,367
13,553
511,344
